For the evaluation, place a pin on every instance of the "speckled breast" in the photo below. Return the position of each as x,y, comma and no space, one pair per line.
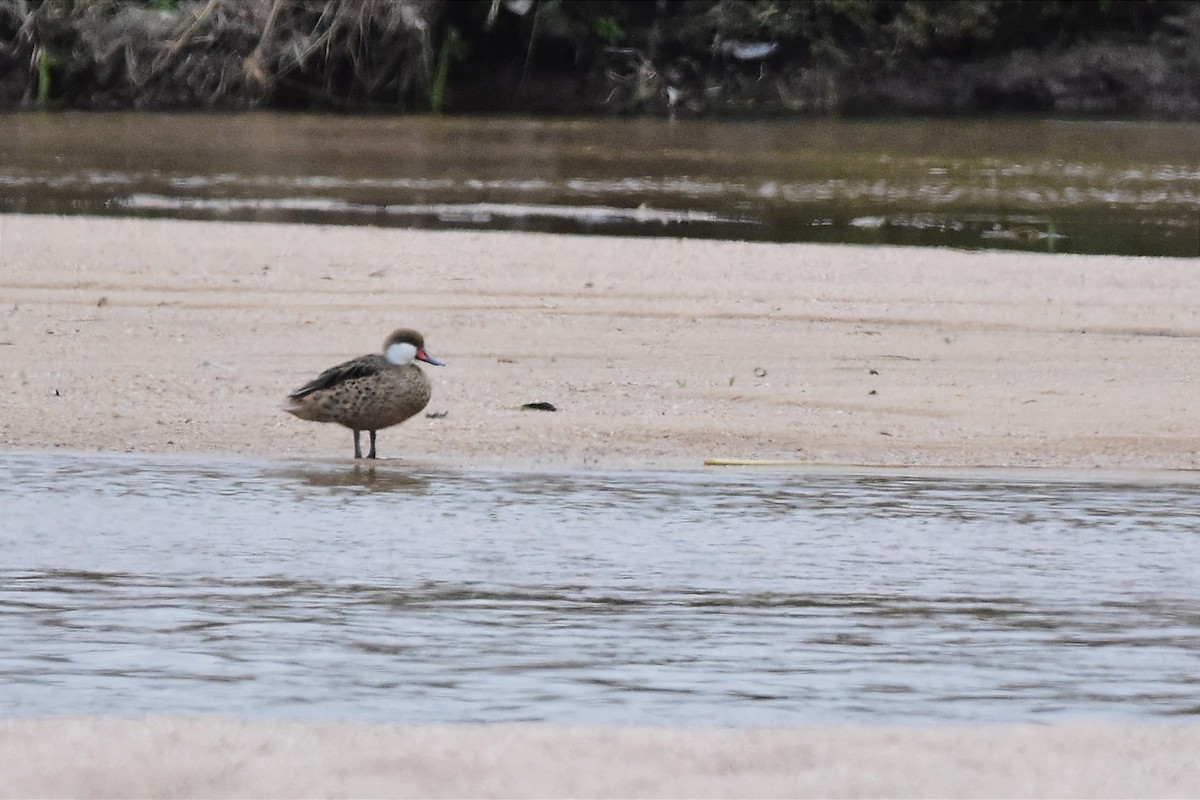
379,401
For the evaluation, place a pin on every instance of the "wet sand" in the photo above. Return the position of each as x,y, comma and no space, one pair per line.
168,336
183,337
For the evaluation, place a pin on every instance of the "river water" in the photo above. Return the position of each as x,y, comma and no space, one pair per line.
1130,188
405,593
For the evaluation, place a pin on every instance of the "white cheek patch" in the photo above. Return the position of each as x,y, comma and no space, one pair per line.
400,353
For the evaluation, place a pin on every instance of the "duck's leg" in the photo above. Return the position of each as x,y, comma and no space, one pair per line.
357,447
372,453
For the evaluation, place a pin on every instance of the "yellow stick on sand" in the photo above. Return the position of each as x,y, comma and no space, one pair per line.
754,462
765,462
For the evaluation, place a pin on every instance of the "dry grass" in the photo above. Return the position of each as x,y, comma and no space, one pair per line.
233,53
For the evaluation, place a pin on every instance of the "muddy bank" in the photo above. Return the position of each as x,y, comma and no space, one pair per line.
696,57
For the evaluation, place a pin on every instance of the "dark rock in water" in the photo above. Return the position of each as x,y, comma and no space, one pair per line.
539,407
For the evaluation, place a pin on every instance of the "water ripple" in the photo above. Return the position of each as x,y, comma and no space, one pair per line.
296,590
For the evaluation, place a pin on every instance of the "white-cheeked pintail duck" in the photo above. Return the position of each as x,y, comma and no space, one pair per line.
371,392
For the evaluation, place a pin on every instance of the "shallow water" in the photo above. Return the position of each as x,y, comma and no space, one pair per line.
1128,188
408,594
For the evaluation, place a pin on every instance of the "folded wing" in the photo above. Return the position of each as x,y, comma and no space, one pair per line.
351,370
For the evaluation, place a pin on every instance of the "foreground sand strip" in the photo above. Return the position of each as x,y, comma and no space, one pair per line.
170,758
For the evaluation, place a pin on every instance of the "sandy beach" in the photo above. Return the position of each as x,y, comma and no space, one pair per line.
167,336
155,336
228,758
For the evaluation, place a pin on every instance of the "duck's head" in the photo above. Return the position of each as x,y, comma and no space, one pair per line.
406,345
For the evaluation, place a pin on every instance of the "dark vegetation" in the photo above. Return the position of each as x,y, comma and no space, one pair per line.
1130,58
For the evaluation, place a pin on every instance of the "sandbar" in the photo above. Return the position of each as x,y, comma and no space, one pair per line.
164,336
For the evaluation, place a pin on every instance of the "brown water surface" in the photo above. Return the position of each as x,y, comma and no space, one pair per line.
1044,185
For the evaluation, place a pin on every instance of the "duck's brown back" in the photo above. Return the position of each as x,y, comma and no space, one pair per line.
387,396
